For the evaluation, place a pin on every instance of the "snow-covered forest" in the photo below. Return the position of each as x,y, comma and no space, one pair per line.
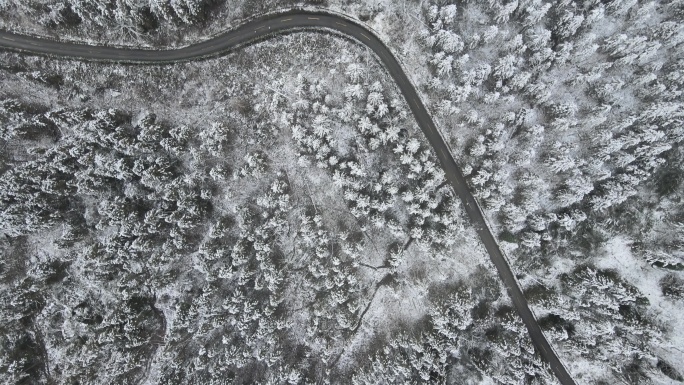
567,117
282,223
275,216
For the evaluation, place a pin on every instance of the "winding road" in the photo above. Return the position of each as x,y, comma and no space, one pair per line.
270,25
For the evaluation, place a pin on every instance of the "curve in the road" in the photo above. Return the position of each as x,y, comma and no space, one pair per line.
279,23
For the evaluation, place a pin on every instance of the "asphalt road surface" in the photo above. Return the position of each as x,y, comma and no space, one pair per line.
266,26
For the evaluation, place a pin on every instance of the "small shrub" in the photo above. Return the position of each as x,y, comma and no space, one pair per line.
669,371
672,286
507,236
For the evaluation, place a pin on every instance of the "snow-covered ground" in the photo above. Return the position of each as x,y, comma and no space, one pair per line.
565,116
251,180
